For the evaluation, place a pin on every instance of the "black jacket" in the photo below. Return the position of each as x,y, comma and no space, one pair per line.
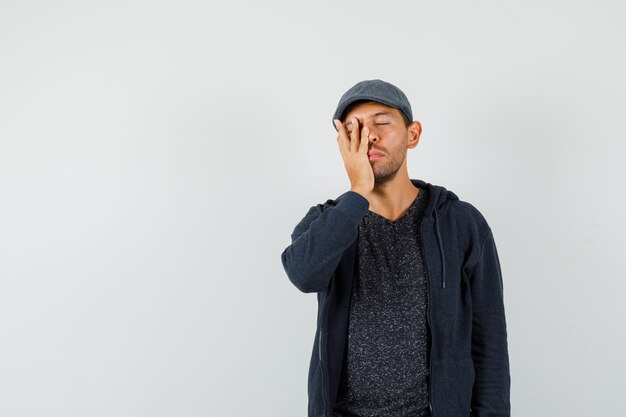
469,361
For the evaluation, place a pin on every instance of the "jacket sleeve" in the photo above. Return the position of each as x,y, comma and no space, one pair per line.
319,240
491,391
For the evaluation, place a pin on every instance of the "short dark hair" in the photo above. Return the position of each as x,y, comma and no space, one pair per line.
348,109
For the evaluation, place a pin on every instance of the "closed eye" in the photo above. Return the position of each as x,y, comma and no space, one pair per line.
378,124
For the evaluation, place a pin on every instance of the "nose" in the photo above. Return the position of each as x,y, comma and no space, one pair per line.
373,135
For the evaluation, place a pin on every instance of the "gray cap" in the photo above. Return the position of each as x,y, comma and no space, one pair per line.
376,90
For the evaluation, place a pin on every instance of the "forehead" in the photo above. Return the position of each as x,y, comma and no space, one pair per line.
370,109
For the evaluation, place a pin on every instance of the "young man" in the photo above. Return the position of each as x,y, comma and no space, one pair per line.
411,311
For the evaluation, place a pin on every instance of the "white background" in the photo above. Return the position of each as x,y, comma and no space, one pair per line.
155,157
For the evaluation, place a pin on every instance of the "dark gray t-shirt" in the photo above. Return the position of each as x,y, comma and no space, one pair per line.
385,371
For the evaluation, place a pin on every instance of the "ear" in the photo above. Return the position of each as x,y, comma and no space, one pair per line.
414,130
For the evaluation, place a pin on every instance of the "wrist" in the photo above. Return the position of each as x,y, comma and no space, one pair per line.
361,191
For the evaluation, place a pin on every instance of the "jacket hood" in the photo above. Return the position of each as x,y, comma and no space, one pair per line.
439,196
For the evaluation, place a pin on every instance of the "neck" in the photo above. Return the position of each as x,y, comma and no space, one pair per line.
394,197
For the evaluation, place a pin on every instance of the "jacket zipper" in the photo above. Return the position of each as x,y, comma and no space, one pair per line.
322,326
323,375
430,376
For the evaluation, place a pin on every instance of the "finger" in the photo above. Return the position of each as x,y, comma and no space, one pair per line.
342,137
365,133
341,149
354,135
341,146
341,130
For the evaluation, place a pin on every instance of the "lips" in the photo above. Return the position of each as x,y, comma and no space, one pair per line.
375,153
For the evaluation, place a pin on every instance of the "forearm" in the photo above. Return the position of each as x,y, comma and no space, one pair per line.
319,240
491,392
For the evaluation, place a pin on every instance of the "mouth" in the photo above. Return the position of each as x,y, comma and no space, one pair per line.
374,155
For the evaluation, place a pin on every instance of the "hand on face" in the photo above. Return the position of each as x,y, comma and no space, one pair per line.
353,147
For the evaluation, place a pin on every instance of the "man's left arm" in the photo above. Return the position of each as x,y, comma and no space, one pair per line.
491,391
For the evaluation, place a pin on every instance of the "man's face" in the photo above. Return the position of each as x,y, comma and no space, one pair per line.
386,124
